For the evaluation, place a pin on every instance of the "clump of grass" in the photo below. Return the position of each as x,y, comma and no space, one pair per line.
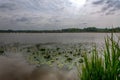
102,66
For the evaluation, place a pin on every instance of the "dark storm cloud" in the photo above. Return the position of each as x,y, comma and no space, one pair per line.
109,6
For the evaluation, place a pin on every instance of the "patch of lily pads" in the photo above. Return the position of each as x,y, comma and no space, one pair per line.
56,55
60,55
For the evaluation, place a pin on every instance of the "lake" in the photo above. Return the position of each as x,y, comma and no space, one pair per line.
54,39
52,48
35,38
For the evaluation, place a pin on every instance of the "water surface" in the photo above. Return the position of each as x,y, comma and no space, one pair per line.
35,38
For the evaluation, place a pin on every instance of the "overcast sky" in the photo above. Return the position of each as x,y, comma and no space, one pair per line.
58,14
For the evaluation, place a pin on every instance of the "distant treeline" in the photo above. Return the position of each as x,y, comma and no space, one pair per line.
68,30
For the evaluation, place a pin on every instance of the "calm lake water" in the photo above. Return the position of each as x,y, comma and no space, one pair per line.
65,48
35,38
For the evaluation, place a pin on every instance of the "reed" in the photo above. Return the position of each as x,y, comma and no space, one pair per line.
102,66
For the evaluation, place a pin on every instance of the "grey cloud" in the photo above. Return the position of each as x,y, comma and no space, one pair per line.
98,2
53,7
7,6
109,13
33,5
109,6
41,5
54,20
22,19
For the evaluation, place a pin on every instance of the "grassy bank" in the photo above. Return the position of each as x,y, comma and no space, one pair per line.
102,66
